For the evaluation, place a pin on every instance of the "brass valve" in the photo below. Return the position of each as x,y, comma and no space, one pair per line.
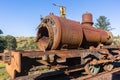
62,10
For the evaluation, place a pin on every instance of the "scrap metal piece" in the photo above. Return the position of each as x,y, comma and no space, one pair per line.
15,64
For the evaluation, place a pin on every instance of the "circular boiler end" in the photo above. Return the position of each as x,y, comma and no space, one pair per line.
87,19
44,37
57,31
49,33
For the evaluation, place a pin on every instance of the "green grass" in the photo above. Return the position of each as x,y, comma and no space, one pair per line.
3,74
2,65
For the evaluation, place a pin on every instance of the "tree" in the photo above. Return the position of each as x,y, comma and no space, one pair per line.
103,23
11,42
26,43
3,44
1,31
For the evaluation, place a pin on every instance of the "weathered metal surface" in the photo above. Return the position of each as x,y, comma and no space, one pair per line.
14,65
92,69
112,47
87,19
49,57
54,75
108,66
28,59
56,32
59,38
65,33
100,36
72,34
64,53
112,75
95,62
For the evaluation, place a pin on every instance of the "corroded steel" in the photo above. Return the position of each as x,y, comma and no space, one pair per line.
100,62
54,55
87,19
14,65
56,32
60,32
68,43
111,75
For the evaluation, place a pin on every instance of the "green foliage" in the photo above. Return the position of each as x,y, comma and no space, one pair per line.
18,43
1,31
26,43
2,65
103,23
3,44
7,42
11,42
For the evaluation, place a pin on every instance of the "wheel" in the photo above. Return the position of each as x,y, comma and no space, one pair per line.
92,69
108,67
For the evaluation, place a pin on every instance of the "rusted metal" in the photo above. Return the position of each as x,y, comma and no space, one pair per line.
55,75
61,53
87,19
92,69
108,66
55,33
102,76
74,70
52,57
51,73
112,47
95,62
65,42
13,62
100,36
64,31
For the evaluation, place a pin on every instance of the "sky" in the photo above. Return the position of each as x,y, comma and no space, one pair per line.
21,17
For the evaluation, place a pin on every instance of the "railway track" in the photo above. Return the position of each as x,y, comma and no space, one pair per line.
77,75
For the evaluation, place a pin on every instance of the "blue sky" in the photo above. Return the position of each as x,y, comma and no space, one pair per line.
21,17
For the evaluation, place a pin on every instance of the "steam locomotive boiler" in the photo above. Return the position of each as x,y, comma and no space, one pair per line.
65,43
56,32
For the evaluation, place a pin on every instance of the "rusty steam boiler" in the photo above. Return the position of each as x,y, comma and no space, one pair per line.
56,32
65,43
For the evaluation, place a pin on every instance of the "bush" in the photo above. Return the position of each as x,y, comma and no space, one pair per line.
3,44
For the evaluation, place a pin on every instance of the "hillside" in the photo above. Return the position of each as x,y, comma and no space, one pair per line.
26,43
